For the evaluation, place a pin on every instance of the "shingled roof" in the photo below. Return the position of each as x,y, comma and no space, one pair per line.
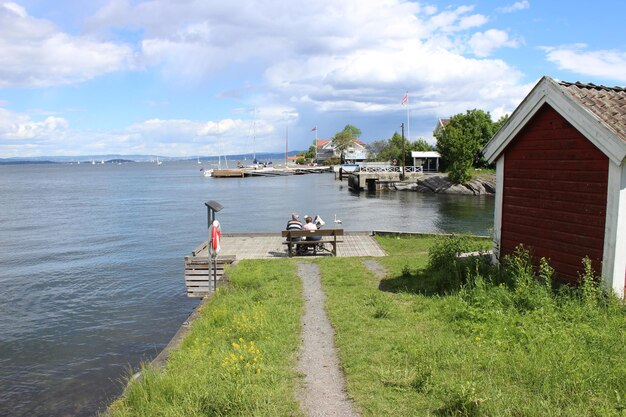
598,112
606,103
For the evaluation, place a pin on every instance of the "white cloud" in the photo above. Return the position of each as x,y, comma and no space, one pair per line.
36,54
324,56
17,127
519,5
213,137
351,55
607,64
484,43
456,20
201,39
22,136
16,9
373,81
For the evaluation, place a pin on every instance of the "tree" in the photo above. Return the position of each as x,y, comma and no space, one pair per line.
375,149
388,150
354,131
342,140
461,141
501,121
459,155
422,146
307,156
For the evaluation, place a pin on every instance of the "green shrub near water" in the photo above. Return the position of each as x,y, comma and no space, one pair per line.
239,358
502,343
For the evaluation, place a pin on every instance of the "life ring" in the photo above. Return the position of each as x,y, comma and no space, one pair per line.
216,237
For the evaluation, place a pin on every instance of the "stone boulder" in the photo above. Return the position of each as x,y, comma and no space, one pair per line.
481,185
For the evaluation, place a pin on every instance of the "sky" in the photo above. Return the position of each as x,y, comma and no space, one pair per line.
188,78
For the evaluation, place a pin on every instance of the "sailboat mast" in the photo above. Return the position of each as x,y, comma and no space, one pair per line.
254,137
315,145
286,144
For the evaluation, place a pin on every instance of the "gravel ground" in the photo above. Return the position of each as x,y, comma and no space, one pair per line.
323,392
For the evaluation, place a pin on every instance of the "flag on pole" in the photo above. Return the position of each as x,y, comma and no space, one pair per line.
314,129
405,99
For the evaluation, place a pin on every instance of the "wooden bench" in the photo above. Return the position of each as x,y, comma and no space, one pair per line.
326,235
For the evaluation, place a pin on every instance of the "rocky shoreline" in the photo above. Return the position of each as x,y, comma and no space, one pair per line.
484,184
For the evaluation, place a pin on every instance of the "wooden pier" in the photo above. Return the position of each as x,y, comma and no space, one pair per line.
375,178
269,171
227,173
237,246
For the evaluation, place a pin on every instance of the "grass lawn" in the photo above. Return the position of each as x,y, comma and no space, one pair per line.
408,345
410,349
239,358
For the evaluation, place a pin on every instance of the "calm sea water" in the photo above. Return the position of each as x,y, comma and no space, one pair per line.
91,262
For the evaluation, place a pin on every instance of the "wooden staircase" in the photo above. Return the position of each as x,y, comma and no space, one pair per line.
199,274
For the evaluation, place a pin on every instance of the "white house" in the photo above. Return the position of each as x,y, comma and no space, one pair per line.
355,153
429,161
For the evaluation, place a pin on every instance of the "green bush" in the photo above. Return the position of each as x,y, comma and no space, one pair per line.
450,272
459,172
531,290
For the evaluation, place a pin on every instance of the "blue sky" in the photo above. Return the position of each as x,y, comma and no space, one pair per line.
189,78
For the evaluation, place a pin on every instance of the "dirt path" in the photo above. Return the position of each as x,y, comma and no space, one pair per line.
377,269
323,392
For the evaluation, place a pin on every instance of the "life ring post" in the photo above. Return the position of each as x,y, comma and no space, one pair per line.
215,234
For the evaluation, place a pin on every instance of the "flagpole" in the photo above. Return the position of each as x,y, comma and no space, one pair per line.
315,129
408,119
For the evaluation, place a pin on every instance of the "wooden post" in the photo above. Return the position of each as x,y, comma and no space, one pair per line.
403,153
212,208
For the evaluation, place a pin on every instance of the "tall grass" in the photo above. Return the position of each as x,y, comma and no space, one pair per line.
239,357
485,342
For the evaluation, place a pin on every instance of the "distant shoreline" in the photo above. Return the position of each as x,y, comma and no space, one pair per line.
45,162
28,162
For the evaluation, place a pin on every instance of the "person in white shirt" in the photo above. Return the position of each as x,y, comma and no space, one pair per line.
309,225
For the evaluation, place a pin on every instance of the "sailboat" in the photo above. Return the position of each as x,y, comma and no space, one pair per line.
209,172
159,162
226,172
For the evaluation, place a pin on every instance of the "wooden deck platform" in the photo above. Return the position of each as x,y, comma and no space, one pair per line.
236,246
270,245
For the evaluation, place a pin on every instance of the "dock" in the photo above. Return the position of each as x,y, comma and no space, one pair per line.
237,246
269,171
227,173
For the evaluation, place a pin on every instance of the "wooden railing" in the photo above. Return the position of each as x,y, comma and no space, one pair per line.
199,275
390,168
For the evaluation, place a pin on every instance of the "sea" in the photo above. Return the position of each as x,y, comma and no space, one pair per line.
91,262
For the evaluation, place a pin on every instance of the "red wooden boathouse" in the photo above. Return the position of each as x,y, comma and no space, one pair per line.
561,179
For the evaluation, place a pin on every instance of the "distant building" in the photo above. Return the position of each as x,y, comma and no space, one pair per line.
429,161
356,152
561,179
440,127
